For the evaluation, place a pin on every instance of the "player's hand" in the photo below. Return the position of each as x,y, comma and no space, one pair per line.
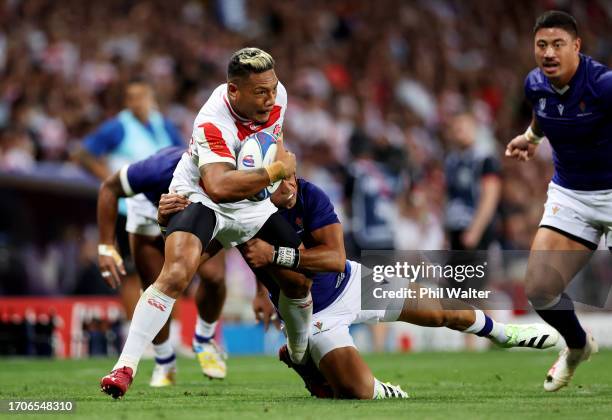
520,149
265,311
286,157
470,239
168,205
111,265
258,253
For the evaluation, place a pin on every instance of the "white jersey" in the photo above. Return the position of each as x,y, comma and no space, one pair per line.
218,133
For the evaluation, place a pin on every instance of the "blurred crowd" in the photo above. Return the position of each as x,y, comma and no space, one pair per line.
372,88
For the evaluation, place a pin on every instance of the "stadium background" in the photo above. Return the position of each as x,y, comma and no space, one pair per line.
363,80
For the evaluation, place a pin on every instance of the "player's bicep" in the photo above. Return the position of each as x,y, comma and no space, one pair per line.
331,236
212,145
211,173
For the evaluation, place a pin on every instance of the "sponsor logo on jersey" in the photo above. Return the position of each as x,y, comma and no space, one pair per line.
542,104
319,326
555,209
156,304
248,161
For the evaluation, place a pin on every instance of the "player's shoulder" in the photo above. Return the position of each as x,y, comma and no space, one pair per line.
281,94
216,112
535,81
598,74
310,192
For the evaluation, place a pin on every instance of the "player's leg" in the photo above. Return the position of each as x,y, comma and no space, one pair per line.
210,297
554,260
345,370
295,301
148,253
458,315
187,231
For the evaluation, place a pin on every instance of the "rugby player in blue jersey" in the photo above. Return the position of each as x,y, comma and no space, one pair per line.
571,95
336,294
152,177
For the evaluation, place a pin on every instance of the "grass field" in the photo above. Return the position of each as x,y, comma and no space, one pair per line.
494,384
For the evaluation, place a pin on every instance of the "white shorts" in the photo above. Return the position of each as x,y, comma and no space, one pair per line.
330,327
141,216
236,226
584,214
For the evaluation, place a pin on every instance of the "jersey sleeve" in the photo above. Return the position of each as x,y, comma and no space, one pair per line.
173,132
605,89
318,207
212,144
105,139
139,177
490,166
281,98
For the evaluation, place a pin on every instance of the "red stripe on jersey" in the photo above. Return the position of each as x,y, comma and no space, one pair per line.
245,129
215,140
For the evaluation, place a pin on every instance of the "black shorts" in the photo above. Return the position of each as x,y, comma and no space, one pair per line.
197,219
278,232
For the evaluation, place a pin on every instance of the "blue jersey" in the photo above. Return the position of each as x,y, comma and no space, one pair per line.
152,176
464,172
313,210
578,124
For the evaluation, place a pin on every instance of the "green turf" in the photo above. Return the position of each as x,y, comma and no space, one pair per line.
494,384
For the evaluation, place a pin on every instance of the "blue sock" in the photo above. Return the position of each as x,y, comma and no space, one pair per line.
563,318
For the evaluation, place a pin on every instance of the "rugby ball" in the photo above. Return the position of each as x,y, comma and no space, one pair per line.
258,150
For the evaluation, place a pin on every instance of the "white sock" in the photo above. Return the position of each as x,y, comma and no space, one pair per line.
486,326
204,330
151,313
386,390
297,314
164,352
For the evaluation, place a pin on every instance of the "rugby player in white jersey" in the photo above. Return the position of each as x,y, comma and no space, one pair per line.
571,96
252,100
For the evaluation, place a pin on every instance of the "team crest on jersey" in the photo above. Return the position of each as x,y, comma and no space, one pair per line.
542,104
277,130
560,108
248,161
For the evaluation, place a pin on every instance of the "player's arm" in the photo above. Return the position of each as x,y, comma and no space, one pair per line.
523,146
225,184
92,164
90,153
263,307
490,194
109,260
327,256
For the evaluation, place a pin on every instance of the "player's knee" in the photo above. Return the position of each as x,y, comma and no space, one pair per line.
360,390
174,278
213,281
439,318
294,285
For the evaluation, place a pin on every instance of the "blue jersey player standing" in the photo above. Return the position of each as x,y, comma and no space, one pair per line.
571,95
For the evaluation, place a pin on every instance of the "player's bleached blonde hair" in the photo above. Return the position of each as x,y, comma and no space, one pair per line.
247,61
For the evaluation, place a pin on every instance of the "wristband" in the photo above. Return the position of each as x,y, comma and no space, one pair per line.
286,257
276,171
532,137
110,251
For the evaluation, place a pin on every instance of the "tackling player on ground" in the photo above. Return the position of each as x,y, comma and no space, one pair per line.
571,95
252,100
336,294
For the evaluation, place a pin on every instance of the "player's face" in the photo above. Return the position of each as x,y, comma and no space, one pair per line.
254,97
139,99
556,53
463,130
285,195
